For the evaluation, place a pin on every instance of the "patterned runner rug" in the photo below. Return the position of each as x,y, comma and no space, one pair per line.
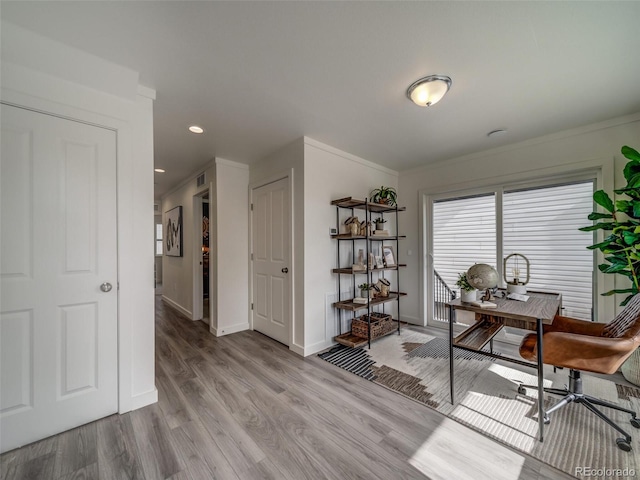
417,365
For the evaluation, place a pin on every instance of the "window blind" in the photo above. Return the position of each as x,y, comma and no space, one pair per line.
464,233
542,224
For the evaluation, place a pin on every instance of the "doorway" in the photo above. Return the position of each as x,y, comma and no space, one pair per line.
203,251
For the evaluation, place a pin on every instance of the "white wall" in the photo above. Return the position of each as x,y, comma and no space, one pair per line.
178,272
47,76
330,174
560,153
320,174
227,183
289,161
232,248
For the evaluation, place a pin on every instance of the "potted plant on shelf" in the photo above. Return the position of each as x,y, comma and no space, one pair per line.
622,246
384,195
380,223
365,289
467,292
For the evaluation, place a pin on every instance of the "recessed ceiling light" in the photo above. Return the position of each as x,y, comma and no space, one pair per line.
196,129
497,133
159,170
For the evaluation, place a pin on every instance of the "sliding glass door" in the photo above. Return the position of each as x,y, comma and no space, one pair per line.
538,221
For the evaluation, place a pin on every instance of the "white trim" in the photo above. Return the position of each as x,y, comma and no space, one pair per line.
177,306
146,92
238,327
328,148
143,399
189,178
553,137
230,163
298,349
315,348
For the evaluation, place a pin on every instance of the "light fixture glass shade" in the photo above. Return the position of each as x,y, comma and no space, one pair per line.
429,90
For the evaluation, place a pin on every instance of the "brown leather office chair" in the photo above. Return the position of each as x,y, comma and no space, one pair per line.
591,347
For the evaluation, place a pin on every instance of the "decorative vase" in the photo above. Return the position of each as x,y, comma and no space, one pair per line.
631,368
468,295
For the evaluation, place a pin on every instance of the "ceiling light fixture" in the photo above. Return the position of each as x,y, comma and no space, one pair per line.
429,90
159,170
196,129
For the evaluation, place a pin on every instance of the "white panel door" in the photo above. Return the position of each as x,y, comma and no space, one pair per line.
58,328
271,246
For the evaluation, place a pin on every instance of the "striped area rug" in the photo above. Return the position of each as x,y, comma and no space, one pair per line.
417,365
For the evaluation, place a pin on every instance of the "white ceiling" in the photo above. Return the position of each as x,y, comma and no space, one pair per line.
258,75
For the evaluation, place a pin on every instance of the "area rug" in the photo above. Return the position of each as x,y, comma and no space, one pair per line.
417,365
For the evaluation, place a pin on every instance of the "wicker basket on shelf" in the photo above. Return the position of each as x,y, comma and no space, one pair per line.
381,324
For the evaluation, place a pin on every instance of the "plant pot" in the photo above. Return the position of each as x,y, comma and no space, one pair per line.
468,295
631,368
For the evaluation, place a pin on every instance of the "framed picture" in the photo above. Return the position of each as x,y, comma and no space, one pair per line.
388,256
379,262
173,232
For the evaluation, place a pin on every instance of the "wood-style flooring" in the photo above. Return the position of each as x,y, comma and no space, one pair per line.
244,407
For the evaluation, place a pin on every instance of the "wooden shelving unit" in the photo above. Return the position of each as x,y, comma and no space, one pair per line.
367,241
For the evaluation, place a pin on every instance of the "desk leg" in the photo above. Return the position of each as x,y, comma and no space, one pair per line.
539,332
451,384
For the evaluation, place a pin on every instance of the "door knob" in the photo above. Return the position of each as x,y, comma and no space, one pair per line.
106,287
285,270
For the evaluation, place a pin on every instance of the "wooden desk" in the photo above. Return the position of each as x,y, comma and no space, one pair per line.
540,309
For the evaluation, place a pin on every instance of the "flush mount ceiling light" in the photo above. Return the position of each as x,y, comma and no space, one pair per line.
159,170
429,90
196,129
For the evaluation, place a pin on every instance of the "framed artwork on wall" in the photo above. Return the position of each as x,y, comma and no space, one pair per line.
173,232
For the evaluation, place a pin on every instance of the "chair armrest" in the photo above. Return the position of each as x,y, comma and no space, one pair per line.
584,352
573,325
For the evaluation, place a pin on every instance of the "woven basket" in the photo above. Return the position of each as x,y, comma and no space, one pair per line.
381,324
631,368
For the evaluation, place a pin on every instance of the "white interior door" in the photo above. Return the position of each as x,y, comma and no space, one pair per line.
271,254
58,328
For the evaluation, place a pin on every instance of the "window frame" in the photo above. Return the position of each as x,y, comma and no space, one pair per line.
602,283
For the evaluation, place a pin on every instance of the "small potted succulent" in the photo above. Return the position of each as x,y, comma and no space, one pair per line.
380,223
467,292
365,290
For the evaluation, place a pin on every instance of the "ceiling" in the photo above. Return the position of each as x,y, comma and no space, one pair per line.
258,75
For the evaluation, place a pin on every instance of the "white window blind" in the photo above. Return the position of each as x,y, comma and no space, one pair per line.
542,224
464,233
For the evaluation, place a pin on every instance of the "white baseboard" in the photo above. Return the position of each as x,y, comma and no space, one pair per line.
412,320
228,330
317,347
144,399
297,349
177,306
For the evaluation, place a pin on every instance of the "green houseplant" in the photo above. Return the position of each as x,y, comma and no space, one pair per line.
467,291
384,195
621,218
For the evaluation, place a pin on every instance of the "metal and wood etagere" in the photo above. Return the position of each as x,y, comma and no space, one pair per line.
348,304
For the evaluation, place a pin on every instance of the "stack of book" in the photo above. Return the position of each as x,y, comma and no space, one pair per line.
380,233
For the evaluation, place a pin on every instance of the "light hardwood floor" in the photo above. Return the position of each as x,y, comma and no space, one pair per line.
244,407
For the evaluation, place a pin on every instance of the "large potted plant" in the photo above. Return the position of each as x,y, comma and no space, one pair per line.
384,195
621,248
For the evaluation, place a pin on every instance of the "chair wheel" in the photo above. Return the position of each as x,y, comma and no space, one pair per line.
522,390
623,444
635,422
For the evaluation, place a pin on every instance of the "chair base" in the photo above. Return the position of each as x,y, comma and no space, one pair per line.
573,394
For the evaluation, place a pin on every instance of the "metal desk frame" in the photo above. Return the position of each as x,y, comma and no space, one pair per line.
506,310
